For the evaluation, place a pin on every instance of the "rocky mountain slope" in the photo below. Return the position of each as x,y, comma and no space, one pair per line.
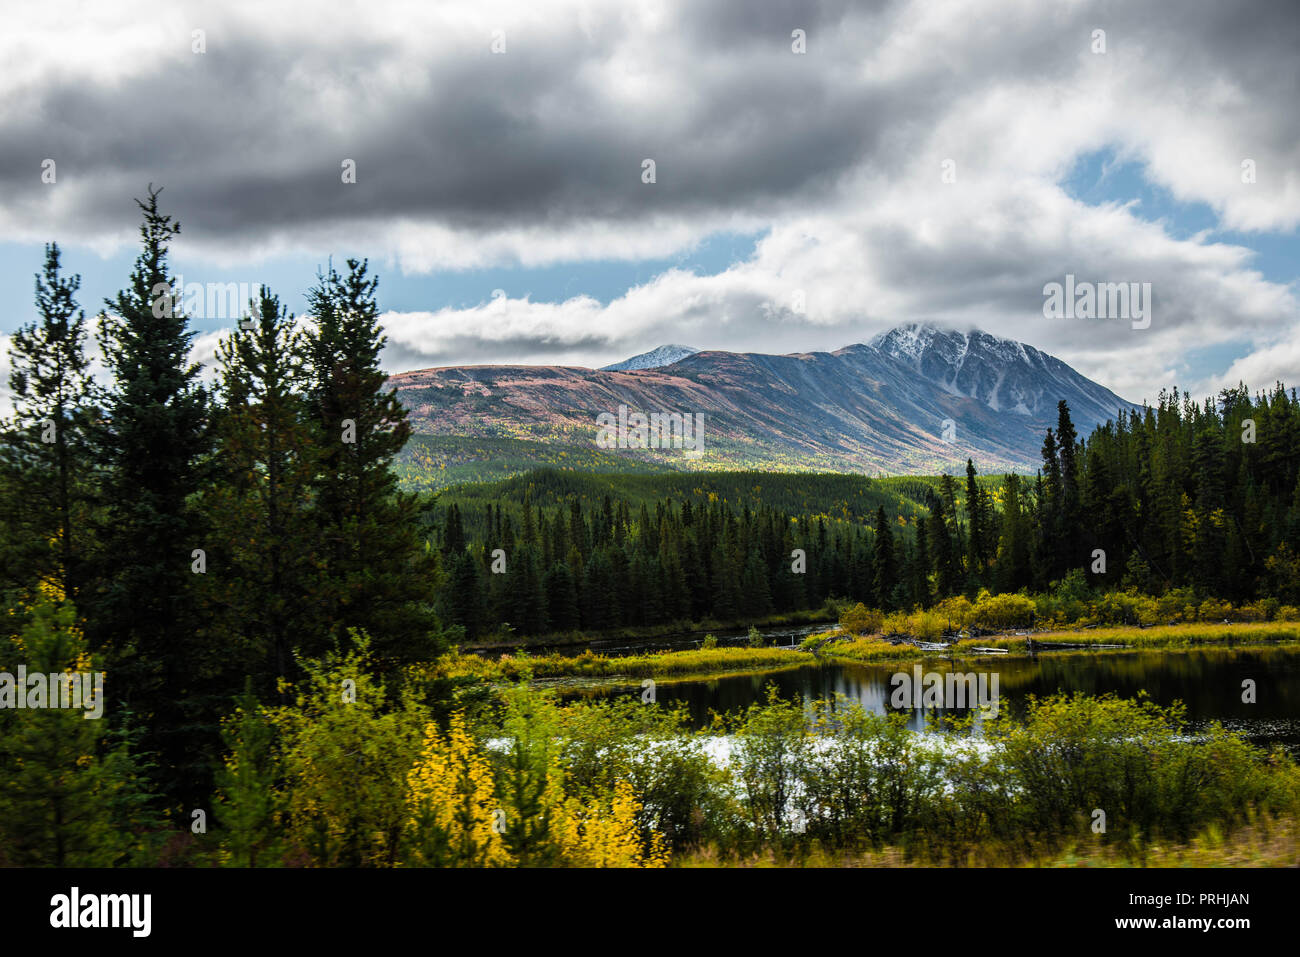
914,399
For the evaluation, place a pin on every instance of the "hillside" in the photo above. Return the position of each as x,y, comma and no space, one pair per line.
878,407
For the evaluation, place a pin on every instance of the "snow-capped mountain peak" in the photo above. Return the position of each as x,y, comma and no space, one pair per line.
654,359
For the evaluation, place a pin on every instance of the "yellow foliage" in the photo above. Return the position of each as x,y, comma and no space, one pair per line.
453,813
600,836
451,794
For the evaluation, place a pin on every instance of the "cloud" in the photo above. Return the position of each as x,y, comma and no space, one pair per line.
469,159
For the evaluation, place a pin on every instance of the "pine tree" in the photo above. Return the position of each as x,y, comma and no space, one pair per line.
920,568
53,793
977,563
152,444
378,573
1013,549
250,803
1070,537
1048,559
260,501
45,456
885,561
943,554
561,598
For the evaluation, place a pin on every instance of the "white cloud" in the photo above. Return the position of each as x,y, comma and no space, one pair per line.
468,159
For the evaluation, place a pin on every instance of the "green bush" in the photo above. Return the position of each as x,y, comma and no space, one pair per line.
861,620
879,781
1003,612
770,743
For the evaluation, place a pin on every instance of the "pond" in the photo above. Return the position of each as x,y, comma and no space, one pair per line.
1208,681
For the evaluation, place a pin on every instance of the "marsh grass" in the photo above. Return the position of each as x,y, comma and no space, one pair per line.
651,665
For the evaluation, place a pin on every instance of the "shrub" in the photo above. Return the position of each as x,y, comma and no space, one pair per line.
861,620
1003,612
873,779
1072,755
770,744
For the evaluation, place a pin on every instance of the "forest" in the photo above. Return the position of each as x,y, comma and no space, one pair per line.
1186,495
269,604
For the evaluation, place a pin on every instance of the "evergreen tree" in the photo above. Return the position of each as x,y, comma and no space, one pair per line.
919,576
946,564
561,598
378,574
46,460
977,563
53,794
1013,548
885,561
152,444
1070,537
1048,558
260,502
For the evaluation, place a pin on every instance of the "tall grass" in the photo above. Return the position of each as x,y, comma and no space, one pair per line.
650,665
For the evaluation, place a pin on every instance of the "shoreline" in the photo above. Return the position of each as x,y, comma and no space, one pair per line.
692,664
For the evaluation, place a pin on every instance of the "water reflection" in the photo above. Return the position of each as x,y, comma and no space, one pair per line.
1208,681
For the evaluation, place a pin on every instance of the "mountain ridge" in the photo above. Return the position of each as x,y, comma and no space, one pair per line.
654,359
915,398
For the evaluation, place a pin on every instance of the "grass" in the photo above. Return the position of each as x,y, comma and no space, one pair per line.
654,665
1265,842
1178,636
637,633
828,645
872,648
1190,635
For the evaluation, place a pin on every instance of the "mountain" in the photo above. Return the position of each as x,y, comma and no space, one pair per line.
881,406
1001,373
654,359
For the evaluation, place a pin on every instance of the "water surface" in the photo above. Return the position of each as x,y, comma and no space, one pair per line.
1208,681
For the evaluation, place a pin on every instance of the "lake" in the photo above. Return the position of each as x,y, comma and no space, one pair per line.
1208,681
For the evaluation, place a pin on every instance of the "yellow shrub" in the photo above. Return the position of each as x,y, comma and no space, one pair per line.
607,836
453,818
861,620
957,610
1000,612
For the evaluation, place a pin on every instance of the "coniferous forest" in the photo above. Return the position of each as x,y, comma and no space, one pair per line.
1189,495
278,620
825,439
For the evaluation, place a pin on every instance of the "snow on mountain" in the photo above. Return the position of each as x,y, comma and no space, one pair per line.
914,399
654,359
1005,375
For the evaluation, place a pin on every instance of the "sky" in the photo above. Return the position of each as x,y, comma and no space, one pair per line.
822,171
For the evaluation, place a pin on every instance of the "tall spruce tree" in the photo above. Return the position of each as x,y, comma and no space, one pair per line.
978,518
1013,549
46,457
152,443
260,500
1070,513
884,561
947,565
378,572
1049,561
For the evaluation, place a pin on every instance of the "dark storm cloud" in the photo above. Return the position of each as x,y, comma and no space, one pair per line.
249,137
246,141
